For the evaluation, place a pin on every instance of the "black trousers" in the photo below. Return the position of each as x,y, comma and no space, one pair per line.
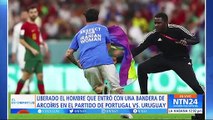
158,63
182,66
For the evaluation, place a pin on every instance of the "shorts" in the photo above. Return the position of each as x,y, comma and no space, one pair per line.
96,76
32,66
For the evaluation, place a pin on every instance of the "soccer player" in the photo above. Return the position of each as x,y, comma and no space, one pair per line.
30,38
93,42
18,50
172,40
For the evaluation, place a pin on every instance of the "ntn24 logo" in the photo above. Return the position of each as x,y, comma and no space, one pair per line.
185,101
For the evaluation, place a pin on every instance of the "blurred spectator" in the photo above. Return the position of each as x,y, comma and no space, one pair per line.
14,6
136,35
65,31
167,6
75,19
51,27
178,15
153,7
61,19
139,21
64,12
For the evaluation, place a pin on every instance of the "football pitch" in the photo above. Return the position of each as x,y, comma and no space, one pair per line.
99,116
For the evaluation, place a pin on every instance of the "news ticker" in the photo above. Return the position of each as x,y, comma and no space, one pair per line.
106,104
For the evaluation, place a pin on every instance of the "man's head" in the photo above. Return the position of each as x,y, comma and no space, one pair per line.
24,15
91,15
161,22
33,12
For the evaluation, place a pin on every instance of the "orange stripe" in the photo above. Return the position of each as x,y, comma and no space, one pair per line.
185,96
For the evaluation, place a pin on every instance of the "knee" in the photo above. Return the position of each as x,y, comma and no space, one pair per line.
26,76
40,76
141,68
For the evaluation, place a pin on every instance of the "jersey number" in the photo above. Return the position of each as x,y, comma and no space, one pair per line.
34,36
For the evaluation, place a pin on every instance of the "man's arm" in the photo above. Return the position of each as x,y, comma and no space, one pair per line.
26,45
189,38
192,41
186,42
148,41
43,46
139,49
71,58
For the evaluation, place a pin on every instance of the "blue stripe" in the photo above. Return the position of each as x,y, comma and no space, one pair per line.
209,57
88,111
3,61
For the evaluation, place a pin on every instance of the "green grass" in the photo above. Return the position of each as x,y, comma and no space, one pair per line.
99,116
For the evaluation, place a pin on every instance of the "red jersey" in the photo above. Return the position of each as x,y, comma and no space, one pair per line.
31,31
31,34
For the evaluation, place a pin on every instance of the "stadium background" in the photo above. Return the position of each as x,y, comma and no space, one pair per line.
61,19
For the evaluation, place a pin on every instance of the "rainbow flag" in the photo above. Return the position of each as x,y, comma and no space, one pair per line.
127,72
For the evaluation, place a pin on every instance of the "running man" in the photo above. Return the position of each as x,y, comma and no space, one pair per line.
93,42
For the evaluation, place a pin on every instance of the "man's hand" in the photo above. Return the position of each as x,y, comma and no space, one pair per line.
182,42
26,45
68,53
34,51
70,57
79,64
44,48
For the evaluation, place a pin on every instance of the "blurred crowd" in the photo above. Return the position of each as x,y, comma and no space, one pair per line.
61,19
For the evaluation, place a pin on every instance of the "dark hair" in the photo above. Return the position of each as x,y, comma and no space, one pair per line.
31,7
163,16
91,15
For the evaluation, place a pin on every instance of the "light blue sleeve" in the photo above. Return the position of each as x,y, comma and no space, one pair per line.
74,43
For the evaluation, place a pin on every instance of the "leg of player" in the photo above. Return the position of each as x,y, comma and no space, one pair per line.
187,74
40,83
21,82
21,63
152,65
110,74
95,79
39,75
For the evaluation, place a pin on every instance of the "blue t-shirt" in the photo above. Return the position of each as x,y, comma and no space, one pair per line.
91,42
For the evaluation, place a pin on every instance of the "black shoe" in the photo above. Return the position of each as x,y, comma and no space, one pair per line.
193,118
